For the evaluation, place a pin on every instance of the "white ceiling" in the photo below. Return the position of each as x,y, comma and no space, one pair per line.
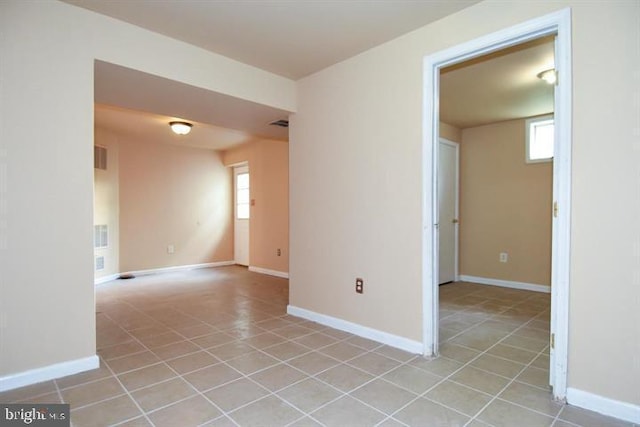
135,90
155,128
497,87
287,37
294,39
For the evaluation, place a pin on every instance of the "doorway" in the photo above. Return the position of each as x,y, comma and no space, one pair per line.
559,24
242,208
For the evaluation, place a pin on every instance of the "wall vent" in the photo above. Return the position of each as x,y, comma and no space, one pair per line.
282,123
99,263
99,157
100,236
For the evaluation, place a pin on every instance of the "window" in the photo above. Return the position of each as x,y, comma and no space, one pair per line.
540,132
242,195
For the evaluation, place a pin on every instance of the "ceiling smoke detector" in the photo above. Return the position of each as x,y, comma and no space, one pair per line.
282,123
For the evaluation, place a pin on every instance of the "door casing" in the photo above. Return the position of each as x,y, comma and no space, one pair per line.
558,24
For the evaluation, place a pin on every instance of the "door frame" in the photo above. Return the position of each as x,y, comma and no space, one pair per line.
456,208
559,24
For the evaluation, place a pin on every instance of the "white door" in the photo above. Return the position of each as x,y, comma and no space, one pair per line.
447,211
242,203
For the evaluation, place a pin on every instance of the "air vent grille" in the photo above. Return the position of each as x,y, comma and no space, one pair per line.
100,236
99,263
282,123
99,157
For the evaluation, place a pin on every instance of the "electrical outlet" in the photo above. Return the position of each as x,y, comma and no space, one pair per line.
278,252
504,257
359,285
170,249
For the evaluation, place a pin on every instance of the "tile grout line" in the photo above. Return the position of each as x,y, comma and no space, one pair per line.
423,395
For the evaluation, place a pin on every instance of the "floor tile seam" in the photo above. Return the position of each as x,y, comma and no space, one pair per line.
29,397
269,394
531,385
459,333
311,332
343,395
468,364
300,419
553,417
394,359
166,380
154,363
381,377
64,389
86,405
119,423
309,413
350,394
446,406
316,348
147,348
177,374
125,355
139,311
135,402
346,361
508,383
525,349
181,375
221,416
197,392
248,378
390,418
406,405
59,393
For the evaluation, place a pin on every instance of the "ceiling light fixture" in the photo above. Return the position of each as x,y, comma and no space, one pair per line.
180,128
548,76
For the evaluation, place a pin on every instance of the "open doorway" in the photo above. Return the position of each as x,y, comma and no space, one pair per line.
557,24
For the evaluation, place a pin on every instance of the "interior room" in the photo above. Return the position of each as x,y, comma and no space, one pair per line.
324,317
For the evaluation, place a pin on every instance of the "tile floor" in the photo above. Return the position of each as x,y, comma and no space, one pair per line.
215,347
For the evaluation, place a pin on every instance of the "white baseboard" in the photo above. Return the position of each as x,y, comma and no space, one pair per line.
164,270
505,283
47,373
283,274
105,279
396,341
604,405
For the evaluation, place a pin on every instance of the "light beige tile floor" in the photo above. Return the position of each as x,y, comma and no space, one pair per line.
214,347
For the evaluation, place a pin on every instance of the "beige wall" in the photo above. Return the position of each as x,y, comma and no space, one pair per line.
173,195
356,187
47,310
355,192
450,132
269,226
106,202
505,206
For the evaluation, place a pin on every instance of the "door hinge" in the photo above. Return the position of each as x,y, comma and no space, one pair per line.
553,341
555,209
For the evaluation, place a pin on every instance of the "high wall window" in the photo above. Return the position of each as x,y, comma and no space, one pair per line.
242,195
540,132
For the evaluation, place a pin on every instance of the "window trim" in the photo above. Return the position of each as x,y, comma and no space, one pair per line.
528,123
